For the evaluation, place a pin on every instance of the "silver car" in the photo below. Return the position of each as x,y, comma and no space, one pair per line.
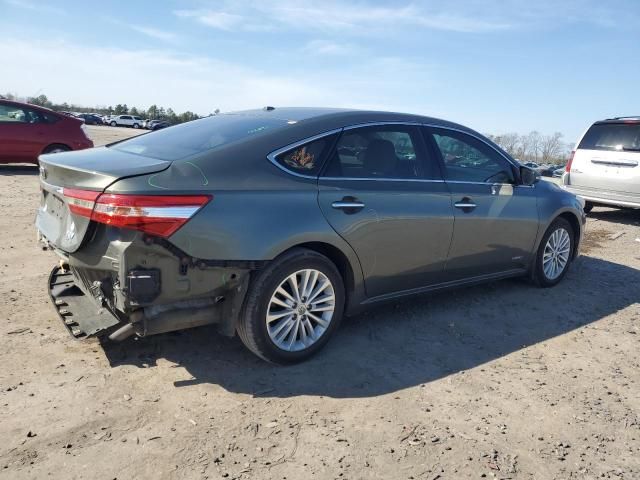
604,167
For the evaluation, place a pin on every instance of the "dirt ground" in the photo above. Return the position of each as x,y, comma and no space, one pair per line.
497,381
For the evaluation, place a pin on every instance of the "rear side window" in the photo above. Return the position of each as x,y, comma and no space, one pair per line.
198,136
612,136
383,152
306,159
9,113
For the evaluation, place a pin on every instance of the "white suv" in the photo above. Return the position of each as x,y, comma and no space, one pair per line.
126,121
604,167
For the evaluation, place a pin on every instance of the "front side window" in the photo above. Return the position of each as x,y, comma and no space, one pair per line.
388,151
467,159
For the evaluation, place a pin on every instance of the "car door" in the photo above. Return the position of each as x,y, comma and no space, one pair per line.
382,192
496,219
19,134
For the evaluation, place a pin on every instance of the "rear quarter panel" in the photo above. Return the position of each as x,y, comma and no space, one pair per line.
257,211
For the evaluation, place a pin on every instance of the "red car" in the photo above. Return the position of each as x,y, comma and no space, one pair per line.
27,131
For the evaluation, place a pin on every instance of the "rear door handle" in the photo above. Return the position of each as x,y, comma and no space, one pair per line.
465,204
345,204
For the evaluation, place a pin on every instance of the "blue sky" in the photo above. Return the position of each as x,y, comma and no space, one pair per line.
497,66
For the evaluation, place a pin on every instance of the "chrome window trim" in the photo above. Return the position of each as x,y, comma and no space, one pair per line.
272,156
382,124
378,179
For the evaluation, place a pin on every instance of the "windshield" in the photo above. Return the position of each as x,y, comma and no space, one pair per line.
612,136
198,136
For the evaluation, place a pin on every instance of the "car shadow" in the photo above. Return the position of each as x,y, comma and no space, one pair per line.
19,169
402,345
625,216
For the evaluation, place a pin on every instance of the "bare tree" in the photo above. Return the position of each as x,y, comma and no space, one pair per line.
552,148
534,140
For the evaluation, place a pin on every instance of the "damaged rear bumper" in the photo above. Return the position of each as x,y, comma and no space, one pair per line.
78,312
121,285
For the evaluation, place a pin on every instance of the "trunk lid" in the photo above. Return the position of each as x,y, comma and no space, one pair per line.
93,170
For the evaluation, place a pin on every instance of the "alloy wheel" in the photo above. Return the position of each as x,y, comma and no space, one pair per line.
556,254
300,310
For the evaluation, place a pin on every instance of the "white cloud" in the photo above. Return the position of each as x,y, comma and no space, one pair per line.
33,6
366,18
154,32
342,17
103,76
211,18
330,48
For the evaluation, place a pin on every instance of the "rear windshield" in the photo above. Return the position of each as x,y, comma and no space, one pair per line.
612,136
198,136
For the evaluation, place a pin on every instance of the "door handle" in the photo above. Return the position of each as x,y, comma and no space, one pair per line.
346,204
465,204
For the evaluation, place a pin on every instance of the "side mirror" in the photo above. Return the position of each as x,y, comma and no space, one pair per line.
528,176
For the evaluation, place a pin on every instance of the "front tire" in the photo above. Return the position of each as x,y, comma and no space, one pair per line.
292,308
136,126
113,124
554,253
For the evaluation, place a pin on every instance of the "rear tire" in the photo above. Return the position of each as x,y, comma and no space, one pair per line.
286,333
555,253
56,148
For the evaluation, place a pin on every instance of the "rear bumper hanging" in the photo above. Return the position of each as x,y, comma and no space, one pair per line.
80,314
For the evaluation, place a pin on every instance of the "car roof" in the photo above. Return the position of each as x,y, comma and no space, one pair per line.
333,118
627,119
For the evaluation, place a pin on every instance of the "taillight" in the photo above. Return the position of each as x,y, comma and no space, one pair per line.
570,161
160,215
80,202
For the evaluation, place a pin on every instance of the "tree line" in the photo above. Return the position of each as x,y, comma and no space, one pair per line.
154,112
534,147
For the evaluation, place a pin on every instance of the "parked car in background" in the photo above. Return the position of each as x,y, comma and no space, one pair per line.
160,125
533,165
546,170
558,172
604,167
125,121
27,131
378,206
151,123
90,119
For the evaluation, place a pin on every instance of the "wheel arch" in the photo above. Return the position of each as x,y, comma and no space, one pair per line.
55,144
350,272
576,227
